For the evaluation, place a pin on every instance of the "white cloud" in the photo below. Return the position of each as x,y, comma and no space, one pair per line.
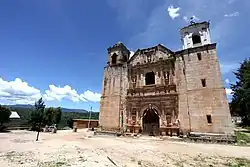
66,92
229,91
229,94
18,92
173,12
227,81
91,96
59,93
235,14
154,29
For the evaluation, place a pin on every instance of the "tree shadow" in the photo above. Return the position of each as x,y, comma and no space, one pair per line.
4,131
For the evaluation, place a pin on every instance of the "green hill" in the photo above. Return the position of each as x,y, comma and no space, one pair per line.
25,111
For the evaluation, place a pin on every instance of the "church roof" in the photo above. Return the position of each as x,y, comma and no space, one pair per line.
14,114
195,25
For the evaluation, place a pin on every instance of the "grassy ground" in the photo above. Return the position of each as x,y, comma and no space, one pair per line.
243,138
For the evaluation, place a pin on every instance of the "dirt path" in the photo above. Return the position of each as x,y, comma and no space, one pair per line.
66,148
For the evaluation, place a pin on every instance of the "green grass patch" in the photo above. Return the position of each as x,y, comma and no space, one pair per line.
240,162
242,138
247,127
51,164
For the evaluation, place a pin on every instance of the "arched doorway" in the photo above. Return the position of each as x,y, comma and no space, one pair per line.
150,122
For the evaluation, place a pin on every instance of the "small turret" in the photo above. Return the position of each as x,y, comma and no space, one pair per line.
118,54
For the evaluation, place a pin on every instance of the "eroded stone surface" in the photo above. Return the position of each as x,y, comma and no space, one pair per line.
187,92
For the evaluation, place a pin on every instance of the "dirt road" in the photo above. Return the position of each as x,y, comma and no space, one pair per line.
19,148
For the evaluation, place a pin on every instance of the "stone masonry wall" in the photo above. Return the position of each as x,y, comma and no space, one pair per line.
111,98
208,100
182,95
124,87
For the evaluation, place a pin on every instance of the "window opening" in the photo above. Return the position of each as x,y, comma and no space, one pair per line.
114,58
203,82
150,78
209,119
196,39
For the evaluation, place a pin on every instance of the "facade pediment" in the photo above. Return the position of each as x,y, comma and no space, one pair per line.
150,55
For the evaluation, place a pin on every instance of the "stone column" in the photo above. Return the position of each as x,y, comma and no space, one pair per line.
173,115
137,80
142,80
162,78
141,122
157,77
130,81
137,116
129,116
163,115
170,77
160,121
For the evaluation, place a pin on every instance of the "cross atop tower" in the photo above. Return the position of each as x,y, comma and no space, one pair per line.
192,20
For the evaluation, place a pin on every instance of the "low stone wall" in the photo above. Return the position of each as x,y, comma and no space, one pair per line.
18,128
193,136
109,133
109,129
211,137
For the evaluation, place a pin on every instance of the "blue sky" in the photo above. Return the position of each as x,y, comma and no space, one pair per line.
57,49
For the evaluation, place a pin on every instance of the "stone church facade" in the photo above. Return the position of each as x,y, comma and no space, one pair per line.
158,89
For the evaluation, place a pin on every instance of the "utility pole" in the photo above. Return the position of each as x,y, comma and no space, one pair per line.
89,117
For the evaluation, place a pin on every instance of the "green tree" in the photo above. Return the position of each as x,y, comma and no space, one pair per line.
57,115
70,122
4,116
52,115
37,116
48,116
241,96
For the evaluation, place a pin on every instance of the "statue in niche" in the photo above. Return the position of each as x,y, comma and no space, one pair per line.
134,82
169,115
166,78
177,123
169,121
149,58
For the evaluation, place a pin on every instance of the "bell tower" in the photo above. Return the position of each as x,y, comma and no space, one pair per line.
114,88
118,54
195,35
204,91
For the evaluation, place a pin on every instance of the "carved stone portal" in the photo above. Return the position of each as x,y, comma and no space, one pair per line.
151,113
